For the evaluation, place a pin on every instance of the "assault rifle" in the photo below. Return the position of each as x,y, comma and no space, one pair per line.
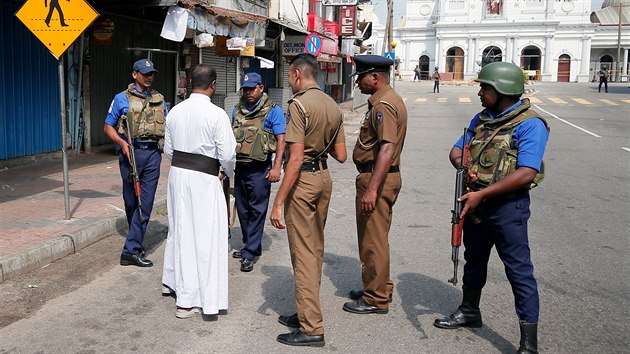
133,175
457,223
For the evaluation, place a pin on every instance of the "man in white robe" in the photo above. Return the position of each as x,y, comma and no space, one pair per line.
198,139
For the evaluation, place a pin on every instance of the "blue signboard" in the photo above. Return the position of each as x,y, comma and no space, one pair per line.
390,55
313,44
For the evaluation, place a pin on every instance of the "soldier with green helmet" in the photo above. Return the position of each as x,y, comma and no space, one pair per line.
507,142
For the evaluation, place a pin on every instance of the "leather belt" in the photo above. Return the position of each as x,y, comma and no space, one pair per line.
314,165
195,162
369,167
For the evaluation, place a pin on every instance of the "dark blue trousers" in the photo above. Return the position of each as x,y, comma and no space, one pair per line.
503,225
148,167
251,192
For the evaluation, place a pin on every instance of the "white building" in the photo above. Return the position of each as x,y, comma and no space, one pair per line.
551,39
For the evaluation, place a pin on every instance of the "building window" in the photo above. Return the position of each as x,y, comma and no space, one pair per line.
455,62
491,55
494,8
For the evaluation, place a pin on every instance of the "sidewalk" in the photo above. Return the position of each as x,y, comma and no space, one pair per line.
33,231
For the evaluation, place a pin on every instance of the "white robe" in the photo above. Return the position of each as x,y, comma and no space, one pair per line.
196,254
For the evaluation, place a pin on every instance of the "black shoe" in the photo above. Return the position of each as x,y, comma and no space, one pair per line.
357,294
362,307
237,254
135,259
289,321
247,265
299,338
459,319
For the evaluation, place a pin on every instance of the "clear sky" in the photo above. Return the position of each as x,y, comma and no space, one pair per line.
400,6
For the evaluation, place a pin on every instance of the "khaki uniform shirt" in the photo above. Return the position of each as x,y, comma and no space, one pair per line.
385,121
318,127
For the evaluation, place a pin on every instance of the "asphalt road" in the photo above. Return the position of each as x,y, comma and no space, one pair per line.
579,236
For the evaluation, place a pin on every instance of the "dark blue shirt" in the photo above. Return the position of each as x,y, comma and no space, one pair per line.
529,138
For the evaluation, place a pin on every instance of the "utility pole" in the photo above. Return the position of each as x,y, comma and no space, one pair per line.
619,62
387,36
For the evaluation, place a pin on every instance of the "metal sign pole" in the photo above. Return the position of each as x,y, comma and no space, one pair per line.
64,156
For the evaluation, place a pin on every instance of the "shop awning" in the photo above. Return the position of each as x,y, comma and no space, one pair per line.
220,21
290,25
235,15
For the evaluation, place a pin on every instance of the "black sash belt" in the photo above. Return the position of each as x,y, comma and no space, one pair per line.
195,162
369,167
314,165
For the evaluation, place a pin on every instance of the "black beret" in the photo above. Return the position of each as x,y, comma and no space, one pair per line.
371,63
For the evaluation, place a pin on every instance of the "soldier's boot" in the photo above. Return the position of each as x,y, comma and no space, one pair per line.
529,338
466,315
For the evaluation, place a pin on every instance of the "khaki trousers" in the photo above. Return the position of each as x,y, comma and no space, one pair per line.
305,213
373,233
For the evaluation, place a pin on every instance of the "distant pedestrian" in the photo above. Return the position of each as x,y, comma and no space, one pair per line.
198,140
314,131
259,126
603,78
142,111
416,73
436,80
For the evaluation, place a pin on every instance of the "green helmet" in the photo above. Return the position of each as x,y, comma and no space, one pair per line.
506,78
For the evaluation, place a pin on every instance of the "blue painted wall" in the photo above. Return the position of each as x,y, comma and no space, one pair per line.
29,90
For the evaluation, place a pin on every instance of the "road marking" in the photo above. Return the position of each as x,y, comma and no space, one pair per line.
608,101
557,100
421,100
567,122
534,100
464,100
442,99
626,101
625,148
580,100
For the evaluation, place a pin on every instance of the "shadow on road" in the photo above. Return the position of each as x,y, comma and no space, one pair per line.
421,295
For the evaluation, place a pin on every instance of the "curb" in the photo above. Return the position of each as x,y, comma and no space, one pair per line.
62,246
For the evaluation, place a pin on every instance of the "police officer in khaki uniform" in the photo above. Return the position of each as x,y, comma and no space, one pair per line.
314,131
377,156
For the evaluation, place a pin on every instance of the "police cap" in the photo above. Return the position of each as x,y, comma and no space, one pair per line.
144,66
371,63
250,80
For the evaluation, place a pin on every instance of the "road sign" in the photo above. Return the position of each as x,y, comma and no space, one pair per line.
313,44
56,23
391,56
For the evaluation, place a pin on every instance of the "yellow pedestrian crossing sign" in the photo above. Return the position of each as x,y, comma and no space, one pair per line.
57,23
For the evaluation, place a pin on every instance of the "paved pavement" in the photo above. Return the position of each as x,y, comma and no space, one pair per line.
33,231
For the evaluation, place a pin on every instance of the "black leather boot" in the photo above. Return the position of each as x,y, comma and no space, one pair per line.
529,338
466,315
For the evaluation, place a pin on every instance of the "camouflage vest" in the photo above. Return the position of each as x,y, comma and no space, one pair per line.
145,115
253,141
492,156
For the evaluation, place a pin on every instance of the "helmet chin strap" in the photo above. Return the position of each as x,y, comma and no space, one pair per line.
500,97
